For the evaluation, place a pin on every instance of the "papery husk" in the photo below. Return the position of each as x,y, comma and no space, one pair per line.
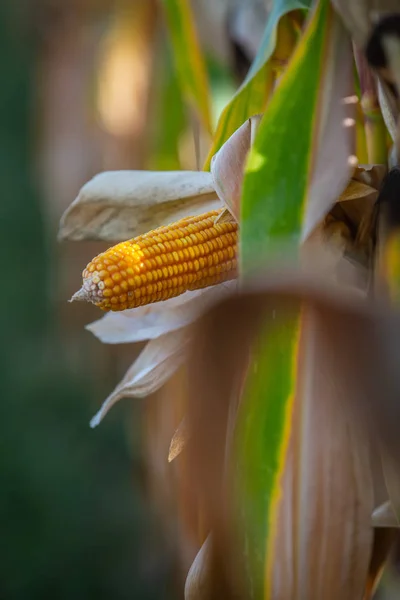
155,320
117,205
227,166
160,359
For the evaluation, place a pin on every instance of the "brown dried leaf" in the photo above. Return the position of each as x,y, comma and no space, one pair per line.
118,205
371,175
356,190
357,343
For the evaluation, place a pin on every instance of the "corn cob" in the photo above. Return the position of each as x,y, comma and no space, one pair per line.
190,254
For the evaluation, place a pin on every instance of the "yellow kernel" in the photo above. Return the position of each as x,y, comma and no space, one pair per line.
190,254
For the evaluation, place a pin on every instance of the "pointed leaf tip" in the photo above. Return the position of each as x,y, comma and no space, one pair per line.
178,441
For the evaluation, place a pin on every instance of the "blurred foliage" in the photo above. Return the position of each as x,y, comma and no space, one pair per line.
73,518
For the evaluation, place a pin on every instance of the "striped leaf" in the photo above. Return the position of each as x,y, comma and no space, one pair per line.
296,168
189,61
252,96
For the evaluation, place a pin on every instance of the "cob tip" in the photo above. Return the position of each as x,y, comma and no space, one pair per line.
80,296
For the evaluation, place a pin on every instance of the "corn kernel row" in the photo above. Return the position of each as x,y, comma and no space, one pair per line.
190,254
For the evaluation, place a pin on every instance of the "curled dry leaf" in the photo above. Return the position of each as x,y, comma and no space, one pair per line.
227,166
154,366
118,205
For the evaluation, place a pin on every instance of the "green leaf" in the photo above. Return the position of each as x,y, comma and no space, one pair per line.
167,121
262,438
189,61
252,96
277,183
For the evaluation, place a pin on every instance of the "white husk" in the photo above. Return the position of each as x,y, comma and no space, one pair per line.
155,365
151,321
118,205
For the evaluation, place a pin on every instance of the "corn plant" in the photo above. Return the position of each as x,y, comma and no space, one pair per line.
271,277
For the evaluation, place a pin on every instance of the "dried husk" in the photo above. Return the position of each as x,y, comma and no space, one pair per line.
227,166
117,205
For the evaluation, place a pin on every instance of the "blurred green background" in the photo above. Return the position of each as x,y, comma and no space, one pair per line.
75,522
86,86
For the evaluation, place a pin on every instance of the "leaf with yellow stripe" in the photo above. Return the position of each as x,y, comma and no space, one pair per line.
252,96
296,168
189,61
